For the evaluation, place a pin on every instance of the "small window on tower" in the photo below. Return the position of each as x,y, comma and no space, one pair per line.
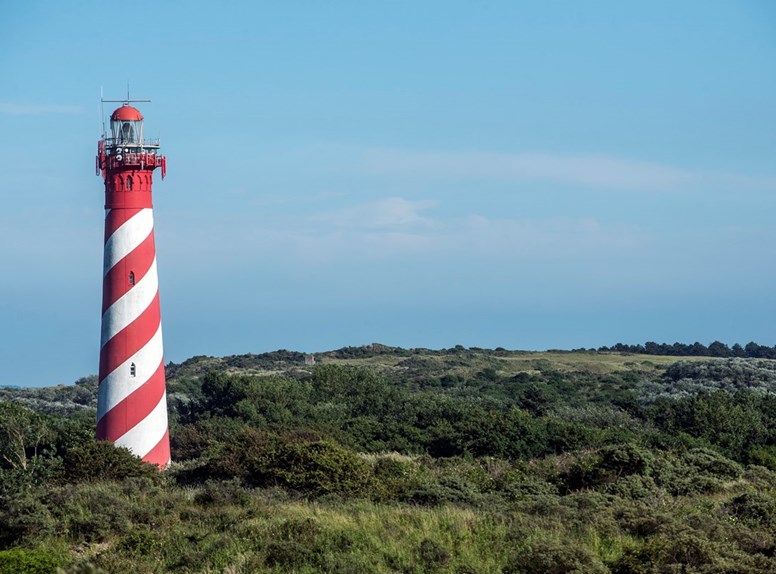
132,370
129,183
131,277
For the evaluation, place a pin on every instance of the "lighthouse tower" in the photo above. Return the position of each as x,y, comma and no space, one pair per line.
132,402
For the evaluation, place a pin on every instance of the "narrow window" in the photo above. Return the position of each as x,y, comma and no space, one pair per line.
132,370
131,277
129,183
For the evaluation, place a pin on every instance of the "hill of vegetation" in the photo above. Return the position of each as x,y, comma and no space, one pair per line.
382,459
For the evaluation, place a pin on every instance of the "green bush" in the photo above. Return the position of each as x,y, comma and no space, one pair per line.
606,466
24,519
712,463
551,556
690,551
753,507
103,460
432,554
763,455
30,561
315,468
395,479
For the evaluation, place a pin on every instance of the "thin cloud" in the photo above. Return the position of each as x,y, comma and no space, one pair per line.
396,227
390,212
13,109
601,172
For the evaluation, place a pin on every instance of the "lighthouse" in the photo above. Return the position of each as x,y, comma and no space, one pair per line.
132,401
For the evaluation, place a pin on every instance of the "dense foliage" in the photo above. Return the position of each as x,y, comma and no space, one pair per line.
381,459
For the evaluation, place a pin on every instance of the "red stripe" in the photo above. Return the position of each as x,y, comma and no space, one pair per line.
116,281
130,339
116,218
134,408
160,454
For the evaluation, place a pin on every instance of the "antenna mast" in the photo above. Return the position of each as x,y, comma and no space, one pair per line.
102,114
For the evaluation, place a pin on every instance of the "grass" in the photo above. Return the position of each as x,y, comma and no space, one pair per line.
298,536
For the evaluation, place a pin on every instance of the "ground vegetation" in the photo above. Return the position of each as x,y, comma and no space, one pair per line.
381,459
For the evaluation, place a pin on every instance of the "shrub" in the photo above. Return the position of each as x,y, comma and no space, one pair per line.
753,507
529,487
449,489
763,455
24,520
555,557
103,460
432,555
606,466
394,478
30,561
688,551
711,462
315,468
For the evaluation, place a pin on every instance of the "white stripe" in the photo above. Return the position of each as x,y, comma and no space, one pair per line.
127,237
130,305
144,436
119,384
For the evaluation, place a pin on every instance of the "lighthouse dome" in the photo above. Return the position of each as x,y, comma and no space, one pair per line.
126,113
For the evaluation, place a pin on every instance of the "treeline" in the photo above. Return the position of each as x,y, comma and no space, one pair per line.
751,350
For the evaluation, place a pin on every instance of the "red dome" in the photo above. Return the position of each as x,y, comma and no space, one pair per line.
127,113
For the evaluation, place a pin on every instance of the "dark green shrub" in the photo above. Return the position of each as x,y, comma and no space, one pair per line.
763,455
680,552
606,466
753,507
711,462
634,487
449,489
529,487
40,472
103,460
315,468
760,477
642,519
24,520
555,557
432,554
394,479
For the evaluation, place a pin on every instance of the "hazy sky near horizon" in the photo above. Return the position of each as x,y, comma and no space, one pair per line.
520,174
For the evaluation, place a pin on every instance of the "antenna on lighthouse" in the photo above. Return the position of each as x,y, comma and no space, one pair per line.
102,113
126,100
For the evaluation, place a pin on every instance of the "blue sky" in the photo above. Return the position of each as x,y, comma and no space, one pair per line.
521,174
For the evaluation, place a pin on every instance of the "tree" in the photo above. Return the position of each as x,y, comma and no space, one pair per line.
22,433
719,349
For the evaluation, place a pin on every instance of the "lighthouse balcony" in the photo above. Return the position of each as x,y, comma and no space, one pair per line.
144,159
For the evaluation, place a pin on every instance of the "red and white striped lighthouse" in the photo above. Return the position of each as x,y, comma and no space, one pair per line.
132,402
